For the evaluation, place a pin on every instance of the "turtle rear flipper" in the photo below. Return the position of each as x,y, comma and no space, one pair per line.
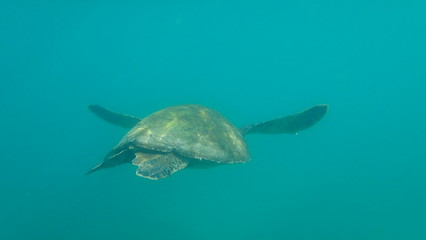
160,167
289,124
119,119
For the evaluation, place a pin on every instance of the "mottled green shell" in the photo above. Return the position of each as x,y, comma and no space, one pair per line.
192,131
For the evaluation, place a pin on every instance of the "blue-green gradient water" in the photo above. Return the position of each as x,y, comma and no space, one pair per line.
357,174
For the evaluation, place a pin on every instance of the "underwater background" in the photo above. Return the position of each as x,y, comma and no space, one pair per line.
358,174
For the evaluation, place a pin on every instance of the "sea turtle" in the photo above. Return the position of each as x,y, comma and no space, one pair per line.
189,136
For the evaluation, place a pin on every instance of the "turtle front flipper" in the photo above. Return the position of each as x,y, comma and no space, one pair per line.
114,158
289,124
119,119
158,166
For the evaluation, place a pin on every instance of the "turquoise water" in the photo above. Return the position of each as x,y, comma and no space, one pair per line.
357,174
